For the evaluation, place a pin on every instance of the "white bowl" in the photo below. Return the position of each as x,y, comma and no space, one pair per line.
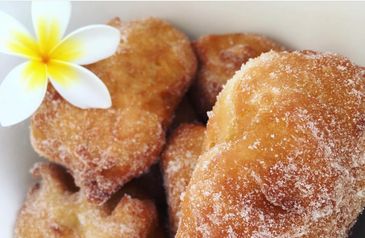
337,27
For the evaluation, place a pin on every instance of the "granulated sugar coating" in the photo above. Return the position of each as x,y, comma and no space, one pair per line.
178,162
103,149
146,78
219,57
55,209
285,152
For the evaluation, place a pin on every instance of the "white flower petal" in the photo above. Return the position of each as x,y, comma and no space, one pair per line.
15,39
78,85
88,45
21,92
50,20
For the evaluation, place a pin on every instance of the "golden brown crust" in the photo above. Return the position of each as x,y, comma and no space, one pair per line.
178,162
54,209
146,78
219,57
103,149
285,151
154,67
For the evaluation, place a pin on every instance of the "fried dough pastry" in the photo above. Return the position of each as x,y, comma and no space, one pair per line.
284,152
219,57
178,162
54,208
146,78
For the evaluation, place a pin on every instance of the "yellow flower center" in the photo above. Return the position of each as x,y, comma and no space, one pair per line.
46,54
45,59
47,47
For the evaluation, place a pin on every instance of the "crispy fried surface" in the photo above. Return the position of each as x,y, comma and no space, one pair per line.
54,208
150,186
219,57
285,152
146,78
152,69
177,162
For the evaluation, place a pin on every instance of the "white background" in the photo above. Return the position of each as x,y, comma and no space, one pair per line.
337,27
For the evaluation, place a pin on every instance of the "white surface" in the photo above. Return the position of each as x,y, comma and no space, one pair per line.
337,27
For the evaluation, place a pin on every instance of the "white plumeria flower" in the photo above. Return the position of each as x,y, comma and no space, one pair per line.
54,58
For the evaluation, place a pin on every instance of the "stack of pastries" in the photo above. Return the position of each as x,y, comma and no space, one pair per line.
229,136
